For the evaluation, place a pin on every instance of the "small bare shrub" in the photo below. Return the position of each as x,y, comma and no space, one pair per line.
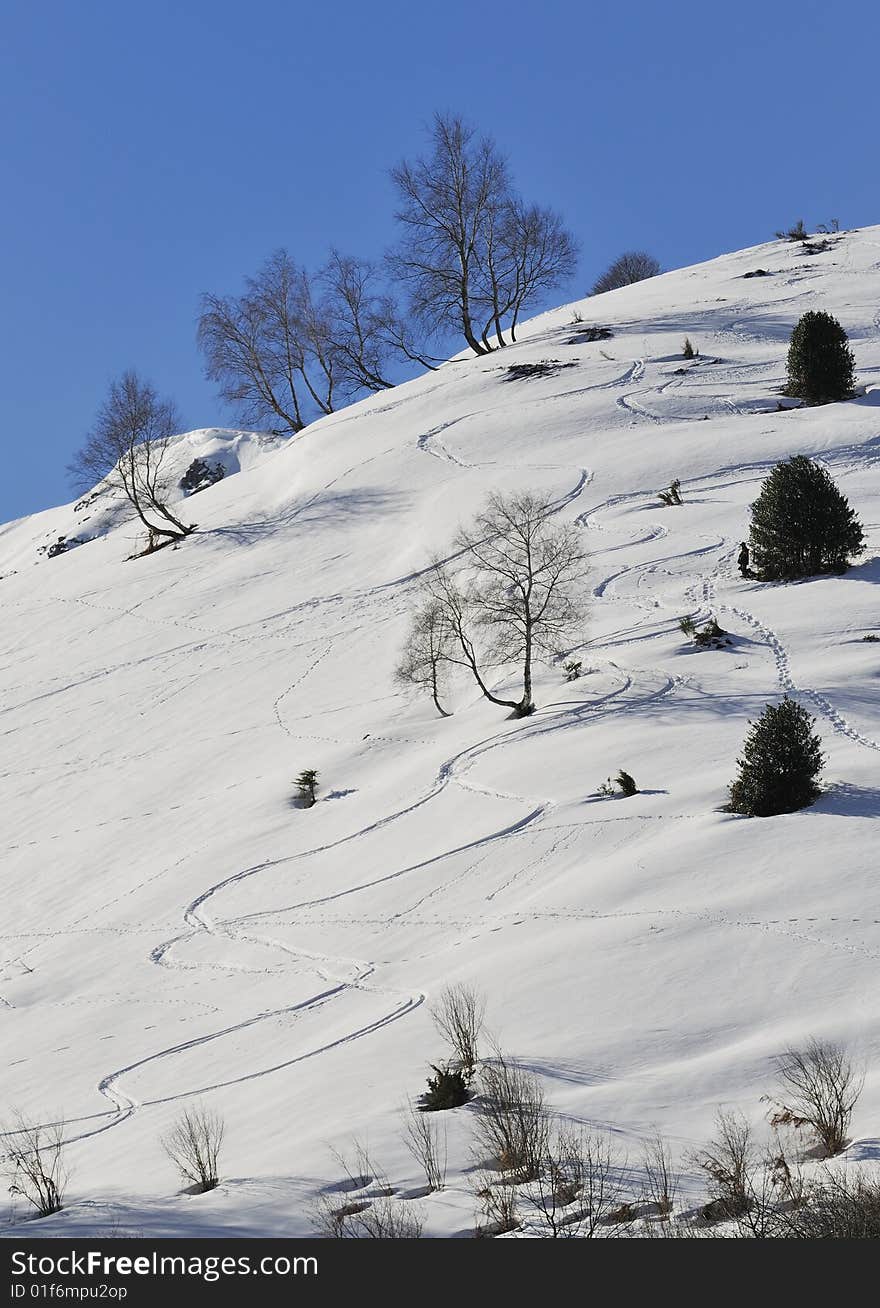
193,1145
378,1219
427,1145
661,1180
332,1219
34,1163
512,1125
499,1208
360,1169
458,1016
839,1209
387,1219
728,1161
819,1088
577,1190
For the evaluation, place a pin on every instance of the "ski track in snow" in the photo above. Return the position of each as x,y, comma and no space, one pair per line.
637,687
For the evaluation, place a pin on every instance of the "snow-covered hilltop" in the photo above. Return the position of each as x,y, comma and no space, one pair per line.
175,928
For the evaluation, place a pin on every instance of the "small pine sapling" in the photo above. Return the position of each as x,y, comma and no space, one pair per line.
711,636
572,669
688,350
797,232
307,785
626,783
449,1087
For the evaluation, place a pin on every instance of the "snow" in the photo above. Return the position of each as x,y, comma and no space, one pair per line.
175,928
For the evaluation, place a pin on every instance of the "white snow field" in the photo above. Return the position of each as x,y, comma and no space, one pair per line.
175,929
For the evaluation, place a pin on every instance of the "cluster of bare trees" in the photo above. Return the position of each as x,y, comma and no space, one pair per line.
511,592
292,344
472,255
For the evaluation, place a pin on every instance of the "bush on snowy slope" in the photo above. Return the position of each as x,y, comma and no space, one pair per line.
35,1163
193,1146
819,1087
801,524
449,1087
782,758
820,362
797,232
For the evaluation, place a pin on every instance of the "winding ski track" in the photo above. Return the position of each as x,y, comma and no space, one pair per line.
637,687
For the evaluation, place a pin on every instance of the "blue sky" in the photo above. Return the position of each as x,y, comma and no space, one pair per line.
152,150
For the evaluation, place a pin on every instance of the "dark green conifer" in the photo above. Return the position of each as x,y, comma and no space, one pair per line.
781,761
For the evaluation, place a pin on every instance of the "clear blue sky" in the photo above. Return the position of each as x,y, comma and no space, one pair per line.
153,149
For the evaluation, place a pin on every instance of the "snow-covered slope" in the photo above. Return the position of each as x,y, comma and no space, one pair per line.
174,928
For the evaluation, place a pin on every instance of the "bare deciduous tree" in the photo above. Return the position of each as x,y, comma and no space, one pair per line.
527,251
355,321
401,336
427,1144
269,348
128,448
33,1159
444,203
458,1016
193,1145
512,1124
515,592
633,266
472,254
427,652
819,1088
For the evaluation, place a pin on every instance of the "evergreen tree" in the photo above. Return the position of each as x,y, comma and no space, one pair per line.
801,524
820,362
307,784
781,760
447,1088
626,783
